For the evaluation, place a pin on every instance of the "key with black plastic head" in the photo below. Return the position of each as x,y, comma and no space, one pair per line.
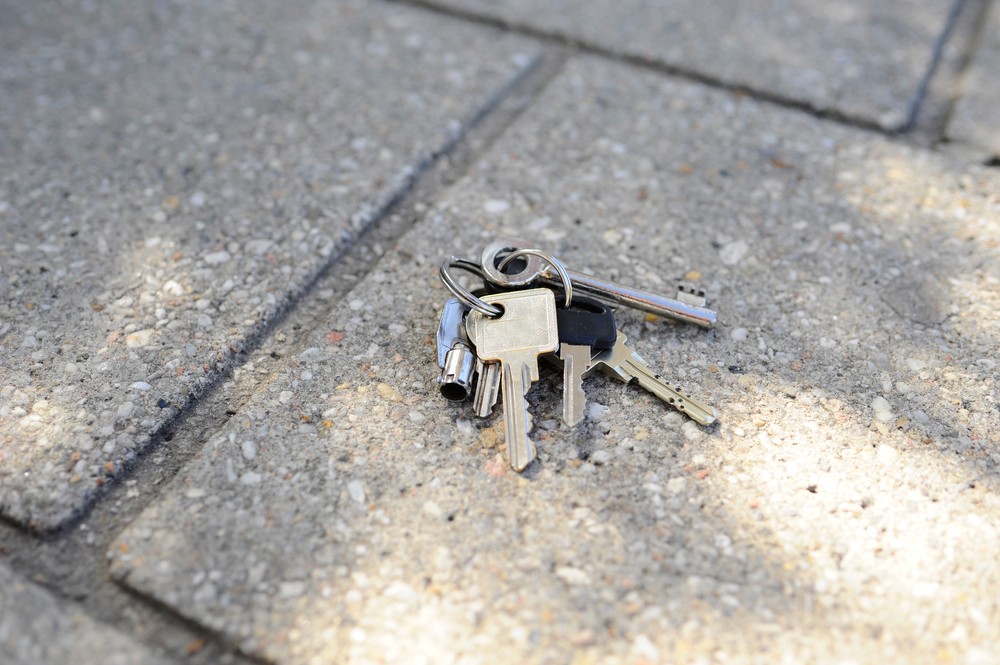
586,327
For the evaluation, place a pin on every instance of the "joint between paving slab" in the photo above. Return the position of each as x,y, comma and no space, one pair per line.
533,76
940,87
584,46
978,17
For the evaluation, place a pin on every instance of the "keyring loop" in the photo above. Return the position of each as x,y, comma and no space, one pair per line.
463,293
551,260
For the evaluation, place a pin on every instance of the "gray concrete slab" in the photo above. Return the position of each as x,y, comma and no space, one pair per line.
844,510
860,59
170,176
37,629
976,120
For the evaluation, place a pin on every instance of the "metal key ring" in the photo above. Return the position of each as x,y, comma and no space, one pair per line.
551,260
462,293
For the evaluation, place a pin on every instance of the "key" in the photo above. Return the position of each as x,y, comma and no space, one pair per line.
585,327
525,330
535,272
487,375
455,355
623,362
487,388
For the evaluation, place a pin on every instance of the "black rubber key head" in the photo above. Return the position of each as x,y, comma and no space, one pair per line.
587,322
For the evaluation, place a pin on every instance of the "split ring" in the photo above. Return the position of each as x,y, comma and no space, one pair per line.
462,293
548,258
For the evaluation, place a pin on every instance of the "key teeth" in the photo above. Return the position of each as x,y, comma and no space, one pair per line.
691,295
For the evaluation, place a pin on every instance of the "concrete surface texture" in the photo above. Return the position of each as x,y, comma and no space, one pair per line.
863,60
172,177
348,511
35,627
181,184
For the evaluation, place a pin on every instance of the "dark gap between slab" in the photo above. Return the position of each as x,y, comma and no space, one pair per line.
583,46
942,85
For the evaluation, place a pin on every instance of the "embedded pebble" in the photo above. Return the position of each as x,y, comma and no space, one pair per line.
139,338
601,457
596,412
882,409
217,258
464,426
356,489
249,450
495,206
141,385
676,485
733,252
915,364
387,392
739,334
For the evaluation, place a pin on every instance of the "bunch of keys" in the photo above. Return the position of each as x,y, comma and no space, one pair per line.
489,341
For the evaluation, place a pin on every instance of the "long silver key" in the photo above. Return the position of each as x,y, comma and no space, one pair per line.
688,306
455,355
526,329
487,387
622,362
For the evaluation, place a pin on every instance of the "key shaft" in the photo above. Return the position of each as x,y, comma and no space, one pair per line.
673,395
624,363
487,387
575,359
525,330
516,380
534,272
619,294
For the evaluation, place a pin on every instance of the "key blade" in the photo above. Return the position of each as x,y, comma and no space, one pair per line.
488,388
451,329
520,448
575,361
673,395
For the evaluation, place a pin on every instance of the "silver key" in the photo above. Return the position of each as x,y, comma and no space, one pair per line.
535,271
525,330
576,360
455,355
624,363
487,388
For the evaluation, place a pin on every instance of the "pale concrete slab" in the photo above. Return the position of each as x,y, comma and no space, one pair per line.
976,120
36,628
170,176
864,60
844,510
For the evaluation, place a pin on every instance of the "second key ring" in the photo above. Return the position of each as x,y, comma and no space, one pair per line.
462,293
548,258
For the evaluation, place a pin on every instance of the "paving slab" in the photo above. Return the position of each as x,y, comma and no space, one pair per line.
859,59
170,177
975,120
36,628
844,509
